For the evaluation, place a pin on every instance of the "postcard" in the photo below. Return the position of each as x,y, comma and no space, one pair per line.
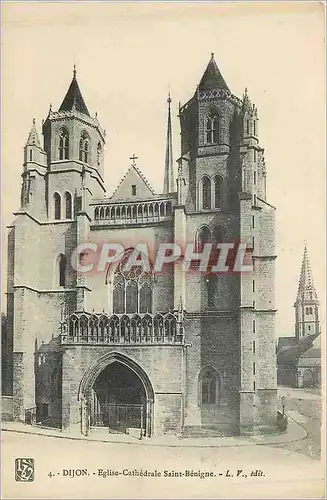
163,250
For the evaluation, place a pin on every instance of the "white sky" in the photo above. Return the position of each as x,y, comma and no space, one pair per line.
129,55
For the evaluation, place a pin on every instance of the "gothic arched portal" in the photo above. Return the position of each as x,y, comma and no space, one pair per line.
116,392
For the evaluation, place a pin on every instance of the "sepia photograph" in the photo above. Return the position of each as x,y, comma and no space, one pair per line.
163,250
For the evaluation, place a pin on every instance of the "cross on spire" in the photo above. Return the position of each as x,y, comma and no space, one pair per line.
133,158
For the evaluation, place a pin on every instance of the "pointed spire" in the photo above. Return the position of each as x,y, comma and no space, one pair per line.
246,100
169,171
306,290
33,138
73,99
212,78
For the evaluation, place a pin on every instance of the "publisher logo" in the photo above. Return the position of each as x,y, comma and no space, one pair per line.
24,469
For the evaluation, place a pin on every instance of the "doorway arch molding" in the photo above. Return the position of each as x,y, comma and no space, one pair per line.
91,374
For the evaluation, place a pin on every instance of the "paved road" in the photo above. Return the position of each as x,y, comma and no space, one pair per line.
289,469
304,406
284,474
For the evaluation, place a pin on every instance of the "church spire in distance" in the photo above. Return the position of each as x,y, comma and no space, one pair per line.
169,171
307,304
306,289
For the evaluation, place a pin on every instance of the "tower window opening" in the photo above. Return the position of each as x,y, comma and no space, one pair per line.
218,235
203,237
84,148
133,189
253,221
211,282
206,193
218,192
253,326
62,264
57,206
253,286
253,347
212,129
253,368
82,257
254,177
254,128
99,151
68,201
209,387
31,155
63,145
41,359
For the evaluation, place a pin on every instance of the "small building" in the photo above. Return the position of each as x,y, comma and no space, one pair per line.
309,368
298,357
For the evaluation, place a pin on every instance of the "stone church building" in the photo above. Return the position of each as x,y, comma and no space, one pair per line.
174,352
299,356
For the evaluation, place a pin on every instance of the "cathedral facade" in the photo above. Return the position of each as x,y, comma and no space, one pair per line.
183,352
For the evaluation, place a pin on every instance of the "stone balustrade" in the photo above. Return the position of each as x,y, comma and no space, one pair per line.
104,329
133,212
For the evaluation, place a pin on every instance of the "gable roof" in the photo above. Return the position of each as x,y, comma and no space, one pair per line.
135,177
314,352
73,100
311,358
290,354
286,342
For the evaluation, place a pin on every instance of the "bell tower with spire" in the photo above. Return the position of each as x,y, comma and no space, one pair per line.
206,123
74,142
307,303
222,198
59,181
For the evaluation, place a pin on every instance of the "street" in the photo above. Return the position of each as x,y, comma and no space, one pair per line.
304,406
87,469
